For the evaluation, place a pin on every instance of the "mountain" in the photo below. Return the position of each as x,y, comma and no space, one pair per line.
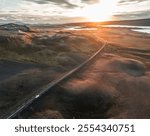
140,22
14,27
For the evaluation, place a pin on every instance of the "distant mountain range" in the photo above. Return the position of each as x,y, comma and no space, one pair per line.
22,26
140,22
14,27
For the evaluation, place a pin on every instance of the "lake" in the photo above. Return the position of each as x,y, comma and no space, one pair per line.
143,29
79,28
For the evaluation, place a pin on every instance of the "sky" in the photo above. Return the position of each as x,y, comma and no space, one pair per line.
64,11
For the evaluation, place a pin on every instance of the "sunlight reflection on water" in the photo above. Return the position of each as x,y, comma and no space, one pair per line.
143,29
79,28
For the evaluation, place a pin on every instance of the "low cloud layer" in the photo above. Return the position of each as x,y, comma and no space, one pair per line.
128,2
133,15
65,3
126,9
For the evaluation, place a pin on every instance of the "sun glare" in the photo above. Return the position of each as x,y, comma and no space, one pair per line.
101,11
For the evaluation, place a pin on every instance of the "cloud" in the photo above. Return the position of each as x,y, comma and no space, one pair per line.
131,1
63,3
133,15
36,19
69,10
90,1
66,3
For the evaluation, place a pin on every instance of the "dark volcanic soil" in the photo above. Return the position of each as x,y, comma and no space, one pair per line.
30,60
10,68
116,85
113,87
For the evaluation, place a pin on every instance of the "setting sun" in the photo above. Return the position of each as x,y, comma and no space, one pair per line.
101,11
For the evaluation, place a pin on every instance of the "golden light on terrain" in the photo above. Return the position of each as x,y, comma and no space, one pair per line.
101,11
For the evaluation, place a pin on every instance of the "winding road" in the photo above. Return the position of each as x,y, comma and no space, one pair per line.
29,104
